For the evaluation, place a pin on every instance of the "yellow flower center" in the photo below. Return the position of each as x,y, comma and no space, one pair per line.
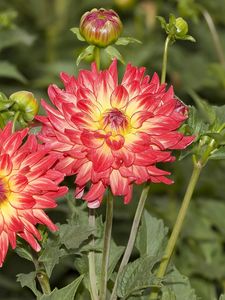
115,121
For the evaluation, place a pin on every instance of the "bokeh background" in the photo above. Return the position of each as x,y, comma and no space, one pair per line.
36,44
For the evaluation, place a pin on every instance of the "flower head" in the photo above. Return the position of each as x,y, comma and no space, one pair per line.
28,185
113,134
100,27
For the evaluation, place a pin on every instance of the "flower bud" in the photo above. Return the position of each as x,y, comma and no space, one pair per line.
100,27
26,103
181,27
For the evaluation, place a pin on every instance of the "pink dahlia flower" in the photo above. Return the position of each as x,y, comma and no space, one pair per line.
113,134
28,184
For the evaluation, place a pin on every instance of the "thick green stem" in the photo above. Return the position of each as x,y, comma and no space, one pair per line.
15,120
91,260
215,36
106,246
165,55
177,227
44,282
97,57
132,237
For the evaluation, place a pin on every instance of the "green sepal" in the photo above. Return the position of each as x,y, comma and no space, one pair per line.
114,53
218,154
123,41
85,53
76,31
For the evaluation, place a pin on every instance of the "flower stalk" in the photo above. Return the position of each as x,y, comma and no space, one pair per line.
198,166
165,56
97,57
132,237
106,246
44,282
91,260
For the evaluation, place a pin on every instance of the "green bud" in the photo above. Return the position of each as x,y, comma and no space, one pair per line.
26,103
181,26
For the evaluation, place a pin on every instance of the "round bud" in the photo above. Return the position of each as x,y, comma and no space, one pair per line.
100,27
181,26
26,103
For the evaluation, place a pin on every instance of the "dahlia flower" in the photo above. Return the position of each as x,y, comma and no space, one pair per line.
100,27
113,134
28,184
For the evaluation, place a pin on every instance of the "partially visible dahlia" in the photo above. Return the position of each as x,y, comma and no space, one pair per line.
113,134
28,184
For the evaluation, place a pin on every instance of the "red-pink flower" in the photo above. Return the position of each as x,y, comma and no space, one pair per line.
113,134
28,184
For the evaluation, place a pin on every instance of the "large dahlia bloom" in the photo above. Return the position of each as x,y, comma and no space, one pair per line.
113,134
28,184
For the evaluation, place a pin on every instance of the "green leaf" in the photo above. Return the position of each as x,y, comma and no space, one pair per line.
206,110
8,70
222,297
162,22
218,137
179,285
196,126
50,256
28,280
168,294
24,253
66,293
188,38
218,154
151,236
137,276
15,36
85,53
73,235
76,31
114,53
127,40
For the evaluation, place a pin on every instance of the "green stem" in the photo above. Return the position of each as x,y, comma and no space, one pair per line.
165,55
97,57
44,282
91,260
177,227
215,36
132,237
14,121
106,247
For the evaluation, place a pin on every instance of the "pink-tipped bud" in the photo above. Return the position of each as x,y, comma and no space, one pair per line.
100,27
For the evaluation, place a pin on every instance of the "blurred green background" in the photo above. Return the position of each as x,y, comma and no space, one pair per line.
36,44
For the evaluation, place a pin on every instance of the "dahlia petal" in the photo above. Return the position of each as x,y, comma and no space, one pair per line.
103,89
44,219
91,139
101,158
17,183
21,200
13,142
83,121
138,142
152,170
113,72
62,190
119,97
128,196
118,184
90,108
27,236
43,184
95,192
43,202
139,118
5,165
115,142
84,174
12,238
79,191
4,244
1,222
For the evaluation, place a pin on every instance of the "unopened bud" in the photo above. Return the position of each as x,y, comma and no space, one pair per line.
181,26
100,27
26,103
